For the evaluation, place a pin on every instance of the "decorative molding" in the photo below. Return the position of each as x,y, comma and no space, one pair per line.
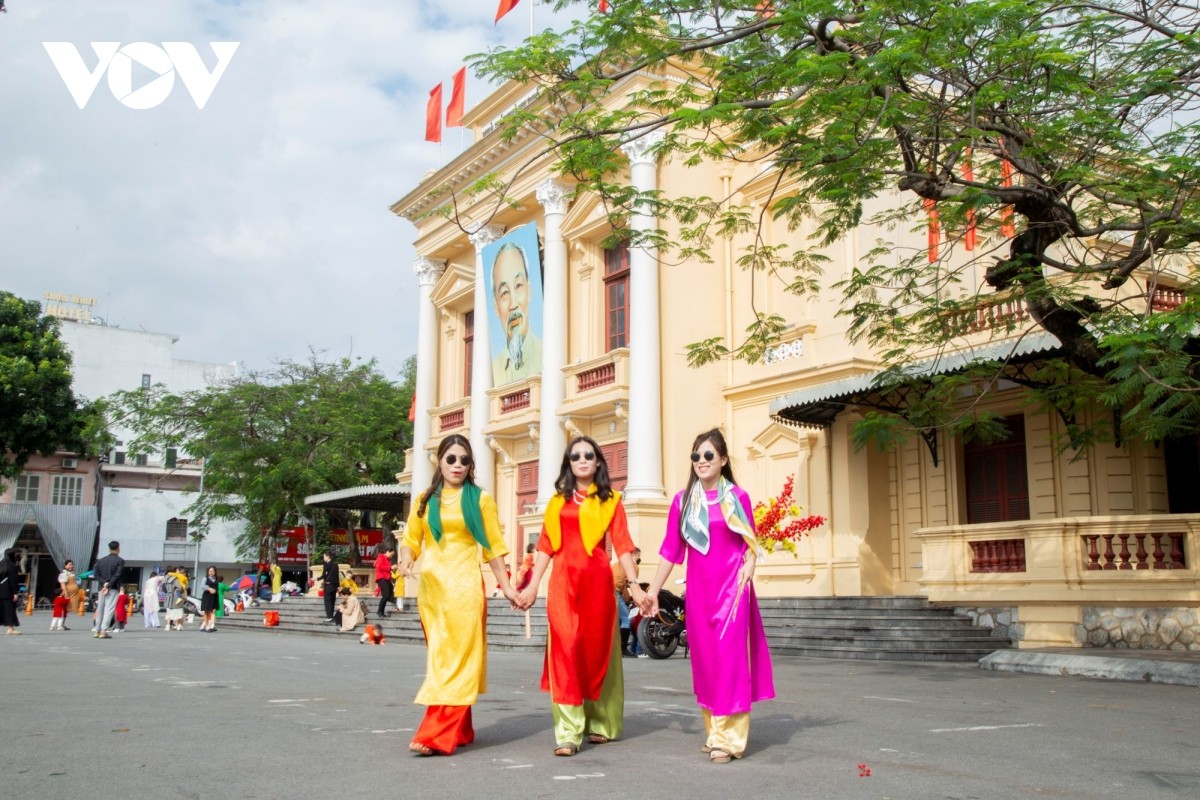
494,443
555,197
481,234
570,427
535,432
619,410
644,149
428,270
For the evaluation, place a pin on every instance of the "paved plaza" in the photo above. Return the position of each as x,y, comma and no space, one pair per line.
258,714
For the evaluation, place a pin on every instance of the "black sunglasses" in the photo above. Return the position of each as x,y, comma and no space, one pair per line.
588,455
707,455
453,459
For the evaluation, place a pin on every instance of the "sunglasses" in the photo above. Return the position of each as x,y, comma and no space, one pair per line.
587,456
453,459
707,455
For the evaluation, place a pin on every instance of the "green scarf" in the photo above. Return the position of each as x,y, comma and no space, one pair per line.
469,503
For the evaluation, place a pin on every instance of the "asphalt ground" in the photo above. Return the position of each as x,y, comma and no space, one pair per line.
256,714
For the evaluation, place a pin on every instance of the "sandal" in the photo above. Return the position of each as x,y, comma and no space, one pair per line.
596,738
568,749
420,749
719,757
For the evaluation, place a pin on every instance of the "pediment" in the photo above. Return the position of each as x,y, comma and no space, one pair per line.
457,282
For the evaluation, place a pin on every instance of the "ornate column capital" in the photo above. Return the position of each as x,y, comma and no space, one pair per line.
482,234
554,196
428,270
643,150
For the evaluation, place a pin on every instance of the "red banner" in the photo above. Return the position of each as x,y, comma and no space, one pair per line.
293,547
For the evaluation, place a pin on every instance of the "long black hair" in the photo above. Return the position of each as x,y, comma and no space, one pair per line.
438,480
565,485
718,442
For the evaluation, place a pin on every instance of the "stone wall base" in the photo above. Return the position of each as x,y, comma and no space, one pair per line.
1140,628
1001,620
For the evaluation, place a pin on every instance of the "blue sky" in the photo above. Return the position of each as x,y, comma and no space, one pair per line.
257,227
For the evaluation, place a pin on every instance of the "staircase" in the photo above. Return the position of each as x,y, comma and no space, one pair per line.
870,628
873,628
505,629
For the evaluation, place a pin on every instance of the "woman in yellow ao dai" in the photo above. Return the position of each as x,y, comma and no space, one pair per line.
452,522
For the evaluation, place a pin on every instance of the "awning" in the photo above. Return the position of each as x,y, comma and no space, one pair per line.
12,520
392,497
68,531
816,406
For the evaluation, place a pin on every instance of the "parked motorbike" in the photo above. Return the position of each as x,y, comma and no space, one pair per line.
660,636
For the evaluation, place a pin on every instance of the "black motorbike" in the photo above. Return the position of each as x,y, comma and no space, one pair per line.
660,636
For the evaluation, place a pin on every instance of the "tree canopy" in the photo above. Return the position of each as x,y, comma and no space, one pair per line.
1064,133
39,411
269,439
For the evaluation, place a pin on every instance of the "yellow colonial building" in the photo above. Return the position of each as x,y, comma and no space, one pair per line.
1067,548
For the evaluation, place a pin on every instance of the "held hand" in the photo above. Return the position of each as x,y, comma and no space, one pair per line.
527,597
514,599
406,567
651,607
640,598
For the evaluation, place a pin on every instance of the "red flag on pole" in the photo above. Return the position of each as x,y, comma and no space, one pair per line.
412,411
603,6
433,115
935,231
969,175
458,98
505,7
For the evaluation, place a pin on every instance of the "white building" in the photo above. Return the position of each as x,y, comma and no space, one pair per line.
142,499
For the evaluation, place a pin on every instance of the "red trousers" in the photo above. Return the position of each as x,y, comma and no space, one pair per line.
445,728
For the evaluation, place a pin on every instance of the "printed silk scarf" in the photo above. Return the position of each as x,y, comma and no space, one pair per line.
695,521
594,518
469,503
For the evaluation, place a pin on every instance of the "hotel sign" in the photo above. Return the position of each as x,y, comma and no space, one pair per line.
68,306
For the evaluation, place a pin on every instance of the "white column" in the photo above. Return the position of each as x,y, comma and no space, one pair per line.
481,359
645,361
428,271
554,199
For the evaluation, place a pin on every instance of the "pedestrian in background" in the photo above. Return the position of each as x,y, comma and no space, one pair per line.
10,577
383,577
58,622
108,573
329,584
276,582
150,600
69,585
209,598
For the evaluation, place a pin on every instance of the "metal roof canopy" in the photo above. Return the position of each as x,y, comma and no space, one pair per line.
817,406
392,497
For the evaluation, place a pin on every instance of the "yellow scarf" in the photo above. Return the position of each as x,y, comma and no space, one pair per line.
594,518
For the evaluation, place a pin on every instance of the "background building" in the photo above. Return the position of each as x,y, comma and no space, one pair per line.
1059,543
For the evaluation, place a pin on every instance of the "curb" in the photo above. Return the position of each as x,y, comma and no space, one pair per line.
1146,670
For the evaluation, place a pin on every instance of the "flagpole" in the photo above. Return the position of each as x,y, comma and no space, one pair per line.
532,3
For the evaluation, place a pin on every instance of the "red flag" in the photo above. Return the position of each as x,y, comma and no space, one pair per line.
1006,214
433,115
935,231
766,9
969,175
603,6
505,7
412,411
458,98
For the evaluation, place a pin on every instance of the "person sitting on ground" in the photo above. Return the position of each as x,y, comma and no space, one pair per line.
350,611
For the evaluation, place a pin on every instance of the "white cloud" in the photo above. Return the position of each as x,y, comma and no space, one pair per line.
259,226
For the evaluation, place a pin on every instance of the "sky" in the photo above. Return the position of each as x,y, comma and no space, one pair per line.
256,228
